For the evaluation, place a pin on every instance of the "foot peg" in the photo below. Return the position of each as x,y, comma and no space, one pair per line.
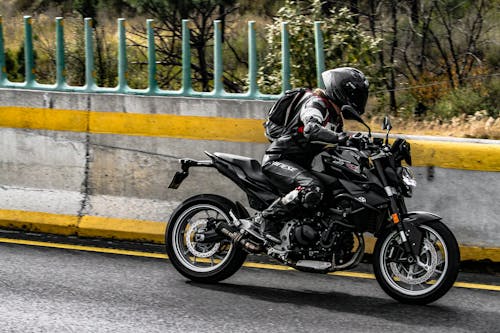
272,238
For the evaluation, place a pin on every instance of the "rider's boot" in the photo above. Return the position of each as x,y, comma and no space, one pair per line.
271,218
271,231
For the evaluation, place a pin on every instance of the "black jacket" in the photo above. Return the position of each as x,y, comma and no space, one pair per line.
294,145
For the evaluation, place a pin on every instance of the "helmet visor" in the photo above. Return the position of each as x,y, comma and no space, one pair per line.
358,100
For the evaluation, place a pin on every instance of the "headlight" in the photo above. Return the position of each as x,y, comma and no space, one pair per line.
409,177
409,181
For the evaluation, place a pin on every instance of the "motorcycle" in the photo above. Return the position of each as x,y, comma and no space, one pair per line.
415,259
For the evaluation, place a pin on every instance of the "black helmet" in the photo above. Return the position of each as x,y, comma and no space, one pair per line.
347,85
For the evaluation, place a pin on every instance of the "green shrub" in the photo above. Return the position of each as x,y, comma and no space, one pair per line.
493,96
345,44
461,101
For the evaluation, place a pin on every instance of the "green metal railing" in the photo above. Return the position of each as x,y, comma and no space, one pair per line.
153,88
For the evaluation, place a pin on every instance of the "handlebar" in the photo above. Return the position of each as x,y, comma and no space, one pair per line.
359,141
364,143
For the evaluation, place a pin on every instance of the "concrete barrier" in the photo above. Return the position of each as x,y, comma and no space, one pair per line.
100,165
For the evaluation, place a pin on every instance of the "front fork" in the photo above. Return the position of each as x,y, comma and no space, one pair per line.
411,236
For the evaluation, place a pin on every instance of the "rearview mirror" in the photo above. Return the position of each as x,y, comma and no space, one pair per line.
386,123
350,114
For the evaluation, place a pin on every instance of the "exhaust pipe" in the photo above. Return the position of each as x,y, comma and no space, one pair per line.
226,230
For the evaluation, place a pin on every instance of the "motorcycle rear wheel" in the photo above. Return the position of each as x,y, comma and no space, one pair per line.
201,261
423,282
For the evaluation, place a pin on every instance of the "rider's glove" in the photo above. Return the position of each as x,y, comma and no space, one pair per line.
314,132
343,138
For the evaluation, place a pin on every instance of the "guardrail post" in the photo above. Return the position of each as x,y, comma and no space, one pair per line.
186,60
29,62
89,56
122,57
3,69
60,64
285,58
320,53
218,85
252,61
152,83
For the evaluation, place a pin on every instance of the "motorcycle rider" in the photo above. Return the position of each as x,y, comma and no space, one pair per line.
288,159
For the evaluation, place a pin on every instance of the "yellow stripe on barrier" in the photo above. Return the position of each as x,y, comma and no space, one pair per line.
174,126
160,125
466,156
44,119
463,155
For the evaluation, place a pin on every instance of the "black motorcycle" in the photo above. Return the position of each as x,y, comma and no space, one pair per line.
415,259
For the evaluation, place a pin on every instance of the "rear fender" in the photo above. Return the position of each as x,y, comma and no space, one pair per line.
187,163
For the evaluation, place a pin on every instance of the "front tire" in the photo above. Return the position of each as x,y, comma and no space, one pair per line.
198,261
422,282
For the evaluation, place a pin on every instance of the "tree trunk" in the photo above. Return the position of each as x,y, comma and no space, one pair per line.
415,11
354,8
202,70
101,69
394,45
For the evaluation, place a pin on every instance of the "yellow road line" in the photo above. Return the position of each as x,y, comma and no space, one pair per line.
476,286
354,275
83,248
359,275
456,155
268,266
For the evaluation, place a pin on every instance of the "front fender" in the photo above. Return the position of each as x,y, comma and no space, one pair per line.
419,217
410,222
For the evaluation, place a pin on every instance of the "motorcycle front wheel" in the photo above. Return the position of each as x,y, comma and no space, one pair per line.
425,280
206,262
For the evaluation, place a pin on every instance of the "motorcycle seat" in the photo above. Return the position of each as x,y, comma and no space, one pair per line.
250,167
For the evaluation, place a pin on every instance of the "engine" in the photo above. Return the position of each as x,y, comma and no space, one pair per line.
318,239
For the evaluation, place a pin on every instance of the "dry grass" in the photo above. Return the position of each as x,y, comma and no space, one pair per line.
477,126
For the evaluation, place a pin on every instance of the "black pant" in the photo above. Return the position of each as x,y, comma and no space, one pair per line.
287,175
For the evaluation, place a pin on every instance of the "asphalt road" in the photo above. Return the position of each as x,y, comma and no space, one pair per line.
56,290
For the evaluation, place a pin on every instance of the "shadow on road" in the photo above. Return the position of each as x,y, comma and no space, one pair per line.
382,308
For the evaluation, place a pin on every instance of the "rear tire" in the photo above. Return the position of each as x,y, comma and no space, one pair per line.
413,283
202,262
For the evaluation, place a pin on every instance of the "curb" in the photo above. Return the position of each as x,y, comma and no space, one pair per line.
84,226
148,231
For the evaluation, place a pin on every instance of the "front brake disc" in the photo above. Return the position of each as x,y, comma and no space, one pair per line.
411,277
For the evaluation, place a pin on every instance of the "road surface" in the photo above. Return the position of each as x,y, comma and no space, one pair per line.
62,290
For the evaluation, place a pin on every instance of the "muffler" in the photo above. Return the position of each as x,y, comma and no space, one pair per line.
228,231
